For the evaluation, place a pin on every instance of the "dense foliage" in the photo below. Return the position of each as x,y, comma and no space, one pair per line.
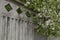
47,17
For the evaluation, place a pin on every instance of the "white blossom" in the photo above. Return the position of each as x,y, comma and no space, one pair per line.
38,9
44,7
39,14
44,3
52,23
50,10
43,25
58,0
58,6
28,2
59,20
52,28
35,3
59,13
48,22
25,4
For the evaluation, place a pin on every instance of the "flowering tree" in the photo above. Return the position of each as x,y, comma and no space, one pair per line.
47,17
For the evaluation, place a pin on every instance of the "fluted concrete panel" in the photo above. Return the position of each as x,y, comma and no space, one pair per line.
30,31
13,29
10,30
17,29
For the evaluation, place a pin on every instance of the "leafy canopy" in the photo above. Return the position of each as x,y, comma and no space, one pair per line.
47,17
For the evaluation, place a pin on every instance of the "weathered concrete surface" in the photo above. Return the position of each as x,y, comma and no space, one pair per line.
10,26
13,29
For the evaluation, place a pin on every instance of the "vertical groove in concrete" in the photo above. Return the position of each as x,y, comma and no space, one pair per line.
16,29
3,28
13,29
8,27
19,29
1,24
10,31
30,31
27,30
24,30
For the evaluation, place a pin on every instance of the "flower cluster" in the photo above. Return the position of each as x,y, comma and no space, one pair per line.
27,3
